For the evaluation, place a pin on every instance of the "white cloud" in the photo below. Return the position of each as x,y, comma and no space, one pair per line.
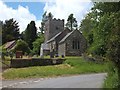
21,14
38,24
62,8
59,8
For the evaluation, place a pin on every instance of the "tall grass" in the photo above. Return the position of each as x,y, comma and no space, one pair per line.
72,65
84,66
112,78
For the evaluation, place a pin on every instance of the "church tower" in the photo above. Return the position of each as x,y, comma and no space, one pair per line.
53,27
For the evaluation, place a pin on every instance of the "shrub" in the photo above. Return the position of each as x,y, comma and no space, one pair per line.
22,46
111,80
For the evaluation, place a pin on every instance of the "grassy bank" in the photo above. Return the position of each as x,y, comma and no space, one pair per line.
112,78
73,65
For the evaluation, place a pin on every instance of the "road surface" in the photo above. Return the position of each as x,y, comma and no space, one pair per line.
77,81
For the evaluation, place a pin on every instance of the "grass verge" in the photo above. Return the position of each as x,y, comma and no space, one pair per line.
111,80
72,65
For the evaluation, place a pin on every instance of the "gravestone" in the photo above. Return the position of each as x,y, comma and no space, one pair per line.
62,56
51,54
19,54
41,51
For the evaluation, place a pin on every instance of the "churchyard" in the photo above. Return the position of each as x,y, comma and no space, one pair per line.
71,66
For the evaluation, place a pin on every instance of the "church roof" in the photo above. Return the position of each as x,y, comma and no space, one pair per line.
64,38
68,35
53,38
62,33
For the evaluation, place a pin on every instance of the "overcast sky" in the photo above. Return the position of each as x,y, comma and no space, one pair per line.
28,10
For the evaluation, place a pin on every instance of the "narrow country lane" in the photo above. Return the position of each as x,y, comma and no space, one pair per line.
78,81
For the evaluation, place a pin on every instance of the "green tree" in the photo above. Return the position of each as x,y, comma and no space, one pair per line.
1,24
22,46
97,24
49,16
87,27
113,52
106,12
101,35
30,34
106,33
108,28
37,44
23,35
71,22
10,31
45,17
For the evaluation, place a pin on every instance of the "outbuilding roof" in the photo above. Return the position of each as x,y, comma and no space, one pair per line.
10,44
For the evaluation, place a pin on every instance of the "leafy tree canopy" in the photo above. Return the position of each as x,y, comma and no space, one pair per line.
30,34
37,44
104,25
22,46
45,17
71,22
10,31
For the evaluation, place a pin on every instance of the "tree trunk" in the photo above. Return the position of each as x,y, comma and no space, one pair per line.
71,25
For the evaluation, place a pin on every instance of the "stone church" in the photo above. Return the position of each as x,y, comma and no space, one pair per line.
62,41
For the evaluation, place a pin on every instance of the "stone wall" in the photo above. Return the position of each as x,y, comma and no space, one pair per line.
19,63
69,44
66,47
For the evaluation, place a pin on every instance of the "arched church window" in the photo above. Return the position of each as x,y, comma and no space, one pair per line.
76,44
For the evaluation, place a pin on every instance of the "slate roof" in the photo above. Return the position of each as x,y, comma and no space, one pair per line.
53,38
64,38
57,35
68,36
